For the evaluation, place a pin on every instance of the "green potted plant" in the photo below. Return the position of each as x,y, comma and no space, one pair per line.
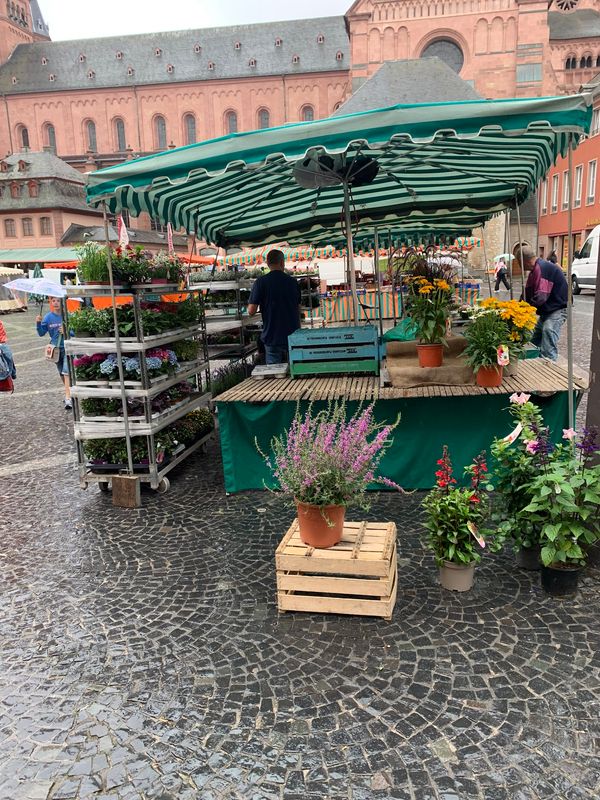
101,322
93,263
325,462
565,504
485,334
454,516
80,323
521,319
131,265
429,301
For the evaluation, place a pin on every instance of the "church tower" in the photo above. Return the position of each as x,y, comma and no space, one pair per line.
21,22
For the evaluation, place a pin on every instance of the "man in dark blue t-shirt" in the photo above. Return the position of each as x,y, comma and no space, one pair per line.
278,297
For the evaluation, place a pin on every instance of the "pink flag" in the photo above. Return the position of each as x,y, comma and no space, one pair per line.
170,238
123,235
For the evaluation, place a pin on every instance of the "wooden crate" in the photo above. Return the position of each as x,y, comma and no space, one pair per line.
319,351
356,576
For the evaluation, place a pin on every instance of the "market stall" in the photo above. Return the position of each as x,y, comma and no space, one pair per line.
433,167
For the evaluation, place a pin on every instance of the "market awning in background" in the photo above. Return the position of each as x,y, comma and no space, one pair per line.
38,255
435,164
258,255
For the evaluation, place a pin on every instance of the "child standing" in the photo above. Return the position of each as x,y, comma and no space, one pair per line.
52,324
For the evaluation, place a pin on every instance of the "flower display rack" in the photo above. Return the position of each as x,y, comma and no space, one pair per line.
357,576
160,398
321,351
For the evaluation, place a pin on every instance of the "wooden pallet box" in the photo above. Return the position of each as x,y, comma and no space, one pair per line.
357,576
334,350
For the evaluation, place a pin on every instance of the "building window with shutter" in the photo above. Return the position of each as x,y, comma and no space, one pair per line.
46,226
555,179
10,229
578,186
591,183
27,226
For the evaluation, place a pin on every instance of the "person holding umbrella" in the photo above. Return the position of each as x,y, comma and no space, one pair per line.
52,324
500,272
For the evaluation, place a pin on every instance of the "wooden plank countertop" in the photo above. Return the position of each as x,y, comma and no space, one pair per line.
536,375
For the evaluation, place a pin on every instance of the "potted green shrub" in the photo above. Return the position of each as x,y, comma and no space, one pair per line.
93,264
80,323
454,516
485,334
325,462
565,504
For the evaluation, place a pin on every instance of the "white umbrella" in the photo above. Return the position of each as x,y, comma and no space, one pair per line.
38,286
505,256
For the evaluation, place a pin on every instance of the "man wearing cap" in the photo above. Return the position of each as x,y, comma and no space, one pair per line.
278,297
547,290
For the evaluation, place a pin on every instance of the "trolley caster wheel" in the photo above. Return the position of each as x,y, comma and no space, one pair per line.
103,486
163,486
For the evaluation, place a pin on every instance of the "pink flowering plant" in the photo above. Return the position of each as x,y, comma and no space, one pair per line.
455,514
327,459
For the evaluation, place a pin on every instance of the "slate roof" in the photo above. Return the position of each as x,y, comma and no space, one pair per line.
582,24
421,80
95,233
39,24
71,62
60,185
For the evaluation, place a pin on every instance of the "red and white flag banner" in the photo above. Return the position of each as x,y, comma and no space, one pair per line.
170,238
122,230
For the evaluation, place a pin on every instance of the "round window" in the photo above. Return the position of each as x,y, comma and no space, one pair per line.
447,51
566,5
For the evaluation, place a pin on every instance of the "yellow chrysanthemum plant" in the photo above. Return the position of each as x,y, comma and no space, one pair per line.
521,319
429,302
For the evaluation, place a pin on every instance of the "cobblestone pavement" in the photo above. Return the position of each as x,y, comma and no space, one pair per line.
142,656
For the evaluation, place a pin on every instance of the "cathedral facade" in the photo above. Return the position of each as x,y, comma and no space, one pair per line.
99,101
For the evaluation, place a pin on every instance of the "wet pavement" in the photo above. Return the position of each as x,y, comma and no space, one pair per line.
142,656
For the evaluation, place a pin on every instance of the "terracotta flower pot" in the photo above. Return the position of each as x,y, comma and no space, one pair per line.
430,355
457,577
489,376
320,526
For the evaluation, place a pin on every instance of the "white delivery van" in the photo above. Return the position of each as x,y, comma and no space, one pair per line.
585,263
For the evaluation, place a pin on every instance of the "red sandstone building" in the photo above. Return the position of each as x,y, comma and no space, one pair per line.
98,101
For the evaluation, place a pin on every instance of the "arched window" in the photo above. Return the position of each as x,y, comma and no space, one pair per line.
27,226
90,129
120,139
49,136
10,229
46,226
189,125
308,114
231,122
160,133
23,136
263,118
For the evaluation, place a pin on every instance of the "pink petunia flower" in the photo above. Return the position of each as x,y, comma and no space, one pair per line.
569,433
519,399
532,446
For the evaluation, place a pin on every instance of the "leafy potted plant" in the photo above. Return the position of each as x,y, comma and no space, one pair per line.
80,322
485,334
93,263
429,302
565,505
130,265
325,462
454,516
521,319
165,268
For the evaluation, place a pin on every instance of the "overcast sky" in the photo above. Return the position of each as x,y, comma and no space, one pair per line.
78,19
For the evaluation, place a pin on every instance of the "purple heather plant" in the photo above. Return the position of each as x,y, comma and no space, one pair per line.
326,459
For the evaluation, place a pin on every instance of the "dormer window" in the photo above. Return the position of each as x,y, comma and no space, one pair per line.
278,42
22,167
130,71
14,79
295,59
34,189
52,77
158,52
81,58
252,62
320,39
339,56
237,46
15,190
197,49
211,65
119,55
4,167
170,69
44,61
91,74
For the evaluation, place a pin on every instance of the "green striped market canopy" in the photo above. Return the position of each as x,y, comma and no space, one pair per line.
258,255
441,166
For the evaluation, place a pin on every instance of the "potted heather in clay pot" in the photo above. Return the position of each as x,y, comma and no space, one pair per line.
325,462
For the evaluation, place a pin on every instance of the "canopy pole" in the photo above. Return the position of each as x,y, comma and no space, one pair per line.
350,246
508,250
485,259
113,300
571,405
378,281
520,248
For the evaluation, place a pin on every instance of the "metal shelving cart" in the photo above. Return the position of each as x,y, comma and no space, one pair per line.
149,423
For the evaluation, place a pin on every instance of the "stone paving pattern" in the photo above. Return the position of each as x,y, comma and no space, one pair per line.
142,656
